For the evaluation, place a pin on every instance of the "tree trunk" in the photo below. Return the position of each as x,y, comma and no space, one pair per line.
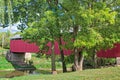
80,62
78,57
62,57
95,65
5,13
63,61
95,61
75,66
53,60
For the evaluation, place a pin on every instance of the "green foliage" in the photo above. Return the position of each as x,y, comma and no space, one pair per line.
97,21
47,20
104,16
88,38
5,39
110,36
107,62
91,17
69,59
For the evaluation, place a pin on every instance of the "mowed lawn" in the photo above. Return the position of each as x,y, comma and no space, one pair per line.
110,73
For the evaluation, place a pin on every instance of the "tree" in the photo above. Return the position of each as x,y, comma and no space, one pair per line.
88,17
4,39
86,20
47,28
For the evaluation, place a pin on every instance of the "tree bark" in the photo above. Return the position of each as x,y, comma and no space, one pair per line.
62,57
95,65
53,60
95,60
78,57
63,62
5,13
81,59
75,66
78,61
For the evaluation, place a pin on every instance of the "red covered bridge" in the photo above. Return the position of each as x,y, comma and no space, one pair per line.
20,52
21,46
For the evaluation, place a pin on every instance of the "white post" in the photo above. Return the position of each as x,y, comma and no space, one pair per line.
118,61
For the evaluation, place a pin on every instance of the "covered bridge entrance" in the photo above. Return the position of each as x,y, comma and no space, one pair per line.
20,53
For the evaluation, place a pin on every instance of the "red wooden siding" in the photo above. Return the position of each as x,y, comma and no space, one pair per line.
22,46
57,50
110,53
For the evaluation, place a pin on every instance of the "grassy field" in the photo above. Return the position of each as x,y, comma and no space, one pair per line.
5,64
111,73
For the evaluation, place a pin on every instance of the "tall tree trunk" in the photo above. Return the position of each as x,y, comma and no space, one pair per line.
95,60
62,57
78,57
63,61
75,66
53,60
55,2
95,65
5,13
80,62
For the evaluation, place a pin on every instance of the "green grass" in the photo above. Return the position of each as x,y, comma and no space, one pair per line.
42,62
111,73
2,50
4,64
